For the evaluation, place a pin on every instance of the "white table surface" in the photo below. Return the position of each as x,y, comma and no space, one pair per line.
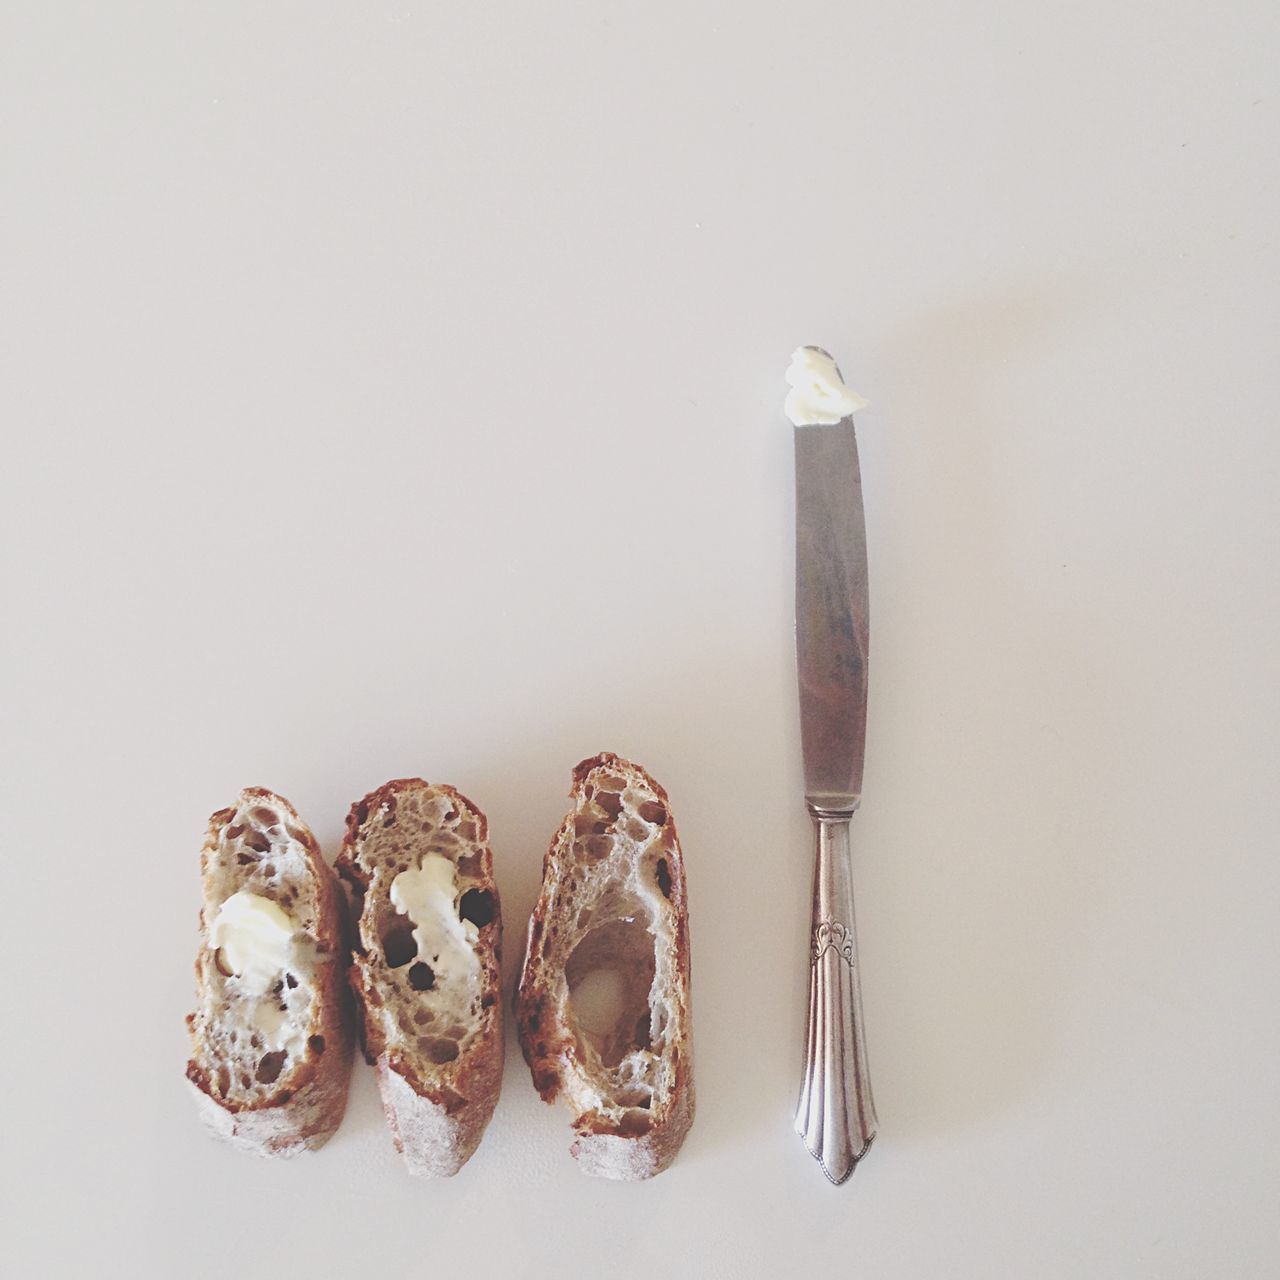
395,389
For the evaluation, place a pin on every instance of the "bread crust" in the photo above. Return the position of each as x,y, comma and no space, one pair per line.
632,1144
437,1115
309,1100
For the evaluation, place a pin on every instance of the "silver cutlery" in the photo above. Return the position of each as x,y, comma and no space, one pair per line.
836,1114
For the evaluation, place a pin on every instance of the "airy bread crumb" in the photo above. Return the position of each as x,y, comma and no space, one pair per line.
432,1029
270,1067
613,914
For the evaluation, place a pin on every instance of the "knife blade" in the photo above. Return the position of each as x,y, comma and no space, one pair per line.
832,620
835,1114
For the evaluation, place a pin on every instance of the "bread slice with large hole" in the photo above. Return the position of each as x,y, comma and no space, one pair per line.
271,1032
603,1005
426,968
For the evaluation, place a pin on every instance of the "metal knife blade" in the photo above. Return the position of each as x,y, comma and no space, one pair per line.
831,614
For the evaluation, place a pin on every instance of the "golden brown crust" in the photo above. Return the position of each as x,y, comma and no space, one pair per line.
437,1114
632,1144
310,1099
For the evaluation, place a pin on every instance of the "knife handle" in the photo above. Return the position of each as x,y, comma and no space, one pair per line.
836,1115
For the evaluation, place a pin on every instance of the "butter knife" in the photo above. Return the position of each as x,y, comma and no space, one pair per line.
836,1114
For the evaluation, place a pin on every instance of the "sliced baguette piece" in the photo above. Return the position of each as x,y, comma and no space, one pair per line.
603,1004
426,968
271,1042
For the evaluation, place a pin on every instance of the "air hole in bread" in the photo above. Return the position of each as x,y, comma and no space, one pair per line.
398,943
362,813
634,1125
422,977
633,1098
477,906
471,865
270,1066
269,870
245,859
664,878
598,847
609,974
257,842
263,816
220,963
235,832
607,782
636,830
224,1081
423,1017
316,1044
652,811
641,1035
439,1050
610,802
290,981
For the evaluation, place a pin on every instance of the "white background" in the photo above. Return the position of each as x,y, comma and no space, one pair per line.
395,389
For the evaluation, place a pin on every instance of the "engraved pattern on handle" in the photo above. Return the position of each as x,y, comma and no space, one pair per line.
836,1114
832,935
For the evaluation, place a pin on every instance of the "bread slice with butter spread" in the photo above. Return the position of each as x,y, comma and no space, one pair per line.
426,968
271,1032
603,1006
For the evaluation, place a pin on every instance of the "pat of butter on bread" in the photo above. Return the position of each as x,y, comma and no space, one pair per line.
255,938
271,1033
426,972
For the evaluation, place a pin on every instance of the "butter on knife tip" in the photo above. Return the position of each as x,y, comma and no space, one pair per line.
818,395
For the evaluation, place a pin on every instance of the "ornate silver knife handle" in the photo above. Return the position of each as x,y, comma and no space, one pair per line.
836,1115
